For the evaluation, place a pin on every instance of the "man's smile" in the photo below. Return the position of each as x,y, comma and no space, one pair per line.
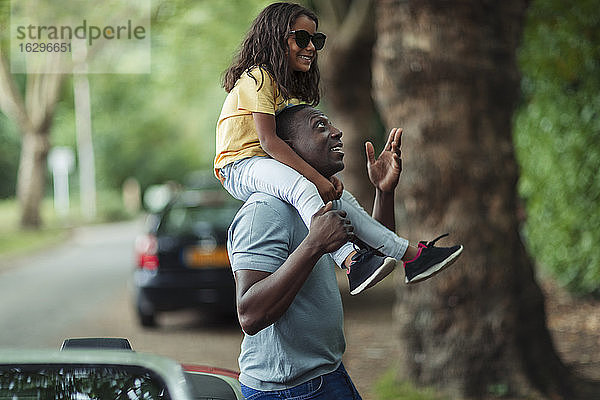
337,148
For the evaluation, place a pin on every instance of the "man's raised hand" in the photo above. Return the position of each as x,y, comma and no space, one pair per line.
384,172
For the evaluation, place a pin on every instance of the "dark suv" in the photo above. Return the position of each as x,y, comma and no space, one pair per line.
182,259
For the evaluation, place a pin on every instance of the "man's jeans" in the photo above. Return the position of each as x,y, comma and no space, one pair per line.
336,385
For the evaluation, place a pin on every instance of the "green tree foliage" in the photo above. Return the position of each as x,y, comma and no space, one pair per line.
9,137
9,157
158,126
161,126
557,133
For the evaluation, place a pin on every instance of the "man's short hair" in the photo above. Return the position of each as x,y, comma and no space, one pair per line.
286,123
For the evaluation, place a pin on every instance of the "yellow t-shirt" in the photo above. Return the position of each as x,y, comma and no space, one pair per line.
237,137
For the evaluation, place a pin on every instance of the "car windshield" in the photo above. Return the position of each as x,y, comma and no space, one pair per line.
193,219
80,382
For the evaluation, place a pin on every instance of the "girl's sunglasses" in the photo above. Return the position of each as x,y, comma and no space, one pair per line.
303,38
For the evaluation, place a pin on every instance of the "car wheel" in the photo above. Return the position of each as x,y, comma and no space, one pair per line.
146,315
147,320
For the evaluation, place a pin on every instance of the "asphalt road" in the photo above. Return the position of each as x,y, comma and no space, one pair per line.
82,289
46,293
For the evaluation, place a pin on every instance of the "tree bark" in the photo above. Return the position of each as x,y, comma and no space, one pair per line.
31,178
346,73
447,73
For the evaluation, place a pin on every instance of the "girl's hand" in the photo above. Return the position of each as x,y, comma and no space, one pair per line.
338,185
326,189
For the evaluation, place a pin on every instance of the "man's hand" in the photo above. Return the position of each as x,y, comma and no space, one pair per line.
330,229
384,172
263,297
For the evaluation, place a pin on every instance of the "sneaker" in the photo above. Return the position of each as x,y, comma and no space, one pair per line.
368,267
430,260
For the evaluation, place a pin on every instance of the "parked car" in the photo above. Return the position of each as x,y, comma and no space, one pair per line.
182,259
107,369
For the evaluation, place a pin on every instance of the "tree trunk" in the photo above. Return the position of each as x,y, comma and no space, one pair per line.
31,179
85,145
447,73
346,72
33,115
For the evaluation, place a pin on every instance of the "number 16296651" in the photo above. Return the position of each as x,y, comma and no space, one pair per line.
45,47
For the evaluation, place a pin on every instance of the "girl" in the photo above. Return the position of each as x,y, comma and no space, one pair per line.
277,67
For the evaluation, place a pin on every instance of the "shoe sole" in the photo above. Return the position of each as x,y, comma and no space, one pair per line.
386,268
436,268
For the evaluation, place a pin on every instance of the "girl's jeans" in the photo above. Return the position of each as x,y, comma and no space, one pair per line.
335,385
266,175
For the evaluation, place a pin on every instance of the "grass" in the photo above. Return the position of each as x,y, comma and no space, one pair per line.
25,241
389,388
55,229
14,240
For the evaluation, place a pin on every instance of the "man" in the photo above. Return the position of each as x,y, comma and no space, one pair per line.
288,300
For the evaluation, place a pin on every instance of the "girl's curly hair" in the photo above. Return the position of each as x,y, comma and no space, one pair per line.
266,46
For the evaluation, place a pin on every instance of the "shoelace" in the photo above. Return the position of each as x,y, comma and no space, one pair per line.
431,243
361,253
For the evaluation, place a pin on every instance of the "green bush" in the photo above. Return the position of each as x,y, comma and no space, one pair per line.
557,137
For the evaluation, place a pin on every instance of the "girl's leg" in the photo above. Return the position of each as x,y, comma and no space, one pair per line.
266,175
370,230
416,268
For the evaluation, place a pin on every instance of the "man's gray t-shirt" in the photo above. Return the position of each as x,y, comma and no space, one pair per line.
308,340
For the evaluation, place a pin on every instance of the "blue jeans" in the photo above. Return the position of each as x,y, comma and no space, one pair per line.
336,385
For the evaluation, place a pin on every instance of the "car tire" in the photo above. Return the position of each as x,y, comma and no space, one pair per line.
146,316
147,320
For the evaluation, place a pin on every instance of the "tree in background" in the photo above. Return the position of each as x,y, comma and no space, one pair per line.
346,72
161,126
447,73
557,135
155,127
33,115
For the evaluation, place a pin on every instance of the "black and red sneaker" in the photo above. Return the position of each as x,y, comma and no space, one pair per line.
430,260
368,267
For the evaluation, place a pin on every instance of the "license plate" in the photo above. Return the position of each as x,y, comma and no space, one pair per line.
196,257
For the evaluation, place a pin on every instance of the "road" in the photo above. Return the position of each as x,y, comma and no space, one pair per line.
44,293
82,289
